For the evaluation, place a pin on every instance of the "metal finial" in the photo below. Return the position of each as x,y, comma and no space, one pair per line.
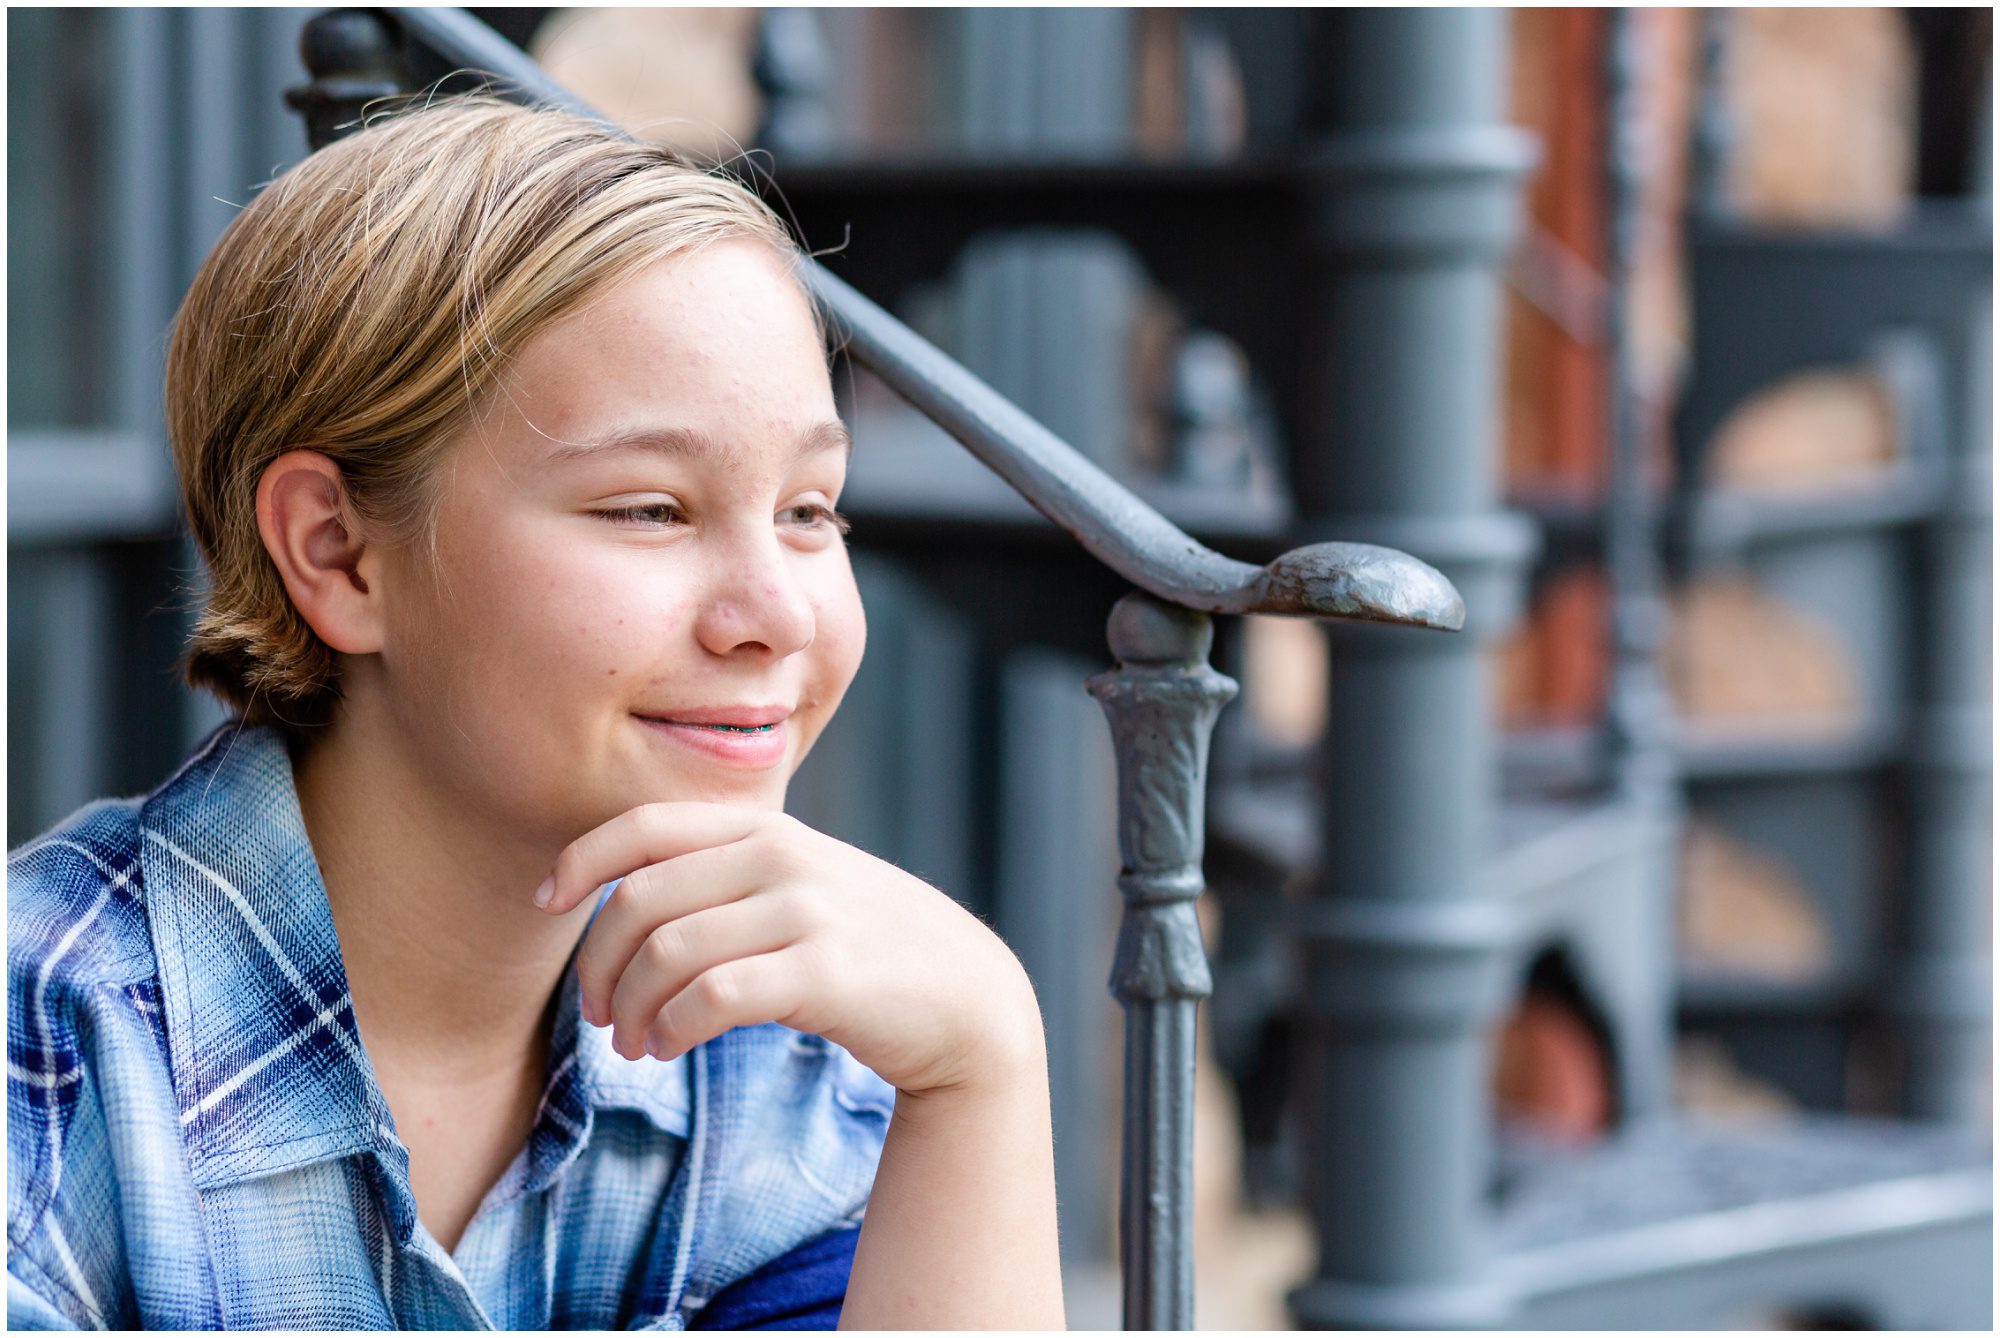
355,56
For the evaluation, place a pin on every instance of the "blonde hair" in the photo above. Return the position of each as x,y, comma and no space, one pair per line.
362,304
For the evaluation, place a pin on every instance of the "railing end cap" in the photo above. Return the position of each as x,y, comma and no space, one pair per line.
1359,582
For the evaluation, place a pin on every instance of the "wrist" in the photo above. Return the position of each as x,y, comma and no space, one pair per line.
1006,1055
1002,1100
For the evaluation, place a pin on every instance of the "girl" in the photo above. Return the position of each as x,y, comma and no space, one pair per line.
512,451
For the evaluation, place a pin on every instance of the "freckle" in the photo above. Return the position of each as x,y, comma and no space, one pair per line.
612,672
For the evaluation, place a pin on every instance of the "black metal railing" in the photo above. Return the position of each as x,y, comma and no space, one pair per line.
1161,698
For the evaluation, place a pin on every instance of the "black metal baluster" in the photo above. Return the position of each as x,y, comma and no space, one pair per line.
1162,701
1638,717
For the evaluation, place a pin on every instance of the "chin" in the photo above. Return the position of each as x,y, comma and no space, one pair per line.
737,789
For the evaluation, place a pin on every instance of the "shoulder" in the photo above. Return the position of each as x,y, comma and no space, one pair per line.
76,903
802,1109
79,973
794,1130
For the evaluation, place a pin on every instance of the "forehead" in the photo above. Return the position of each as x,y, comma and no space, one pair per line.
701,301
714,348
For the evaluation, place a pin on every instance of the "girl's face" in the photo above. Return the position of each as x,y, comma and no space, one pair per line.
636,550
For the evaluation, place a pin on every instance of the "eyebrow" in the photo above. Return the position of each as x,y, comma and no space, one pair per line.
687,443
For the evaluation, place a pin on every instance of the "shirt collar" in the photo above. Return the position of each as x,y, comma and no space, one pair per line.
268,1067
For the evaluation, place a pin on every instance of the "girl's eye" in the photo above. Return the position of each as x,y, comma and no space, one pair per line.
814,515
651,513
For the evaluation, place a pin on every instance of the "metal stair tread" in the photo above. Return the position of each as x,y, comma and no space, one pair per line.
1728,519
1676,1169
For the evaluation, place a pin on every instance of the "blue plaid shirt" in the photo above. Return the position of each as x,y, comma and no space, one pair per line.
196,1138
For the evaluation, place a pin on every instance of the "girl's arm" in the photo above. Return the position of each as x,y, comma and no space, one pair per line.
727,917
961,1225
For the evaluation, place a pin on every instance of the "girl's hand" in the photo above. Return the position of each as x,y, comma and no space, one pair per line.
728,917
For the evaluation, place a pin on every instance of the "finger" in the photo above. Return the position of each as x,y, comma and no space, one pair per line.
639,836
652,896
772,987
673,955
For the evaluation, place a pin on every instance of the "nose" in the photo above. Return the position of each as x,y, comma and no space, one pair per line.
755,601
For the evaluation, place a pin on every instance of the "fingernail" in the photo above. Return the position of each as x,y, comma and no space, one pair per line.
653,1047
545,891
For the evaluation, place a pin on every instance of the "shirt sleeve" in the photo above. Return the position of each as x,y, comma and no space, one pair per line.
802,1289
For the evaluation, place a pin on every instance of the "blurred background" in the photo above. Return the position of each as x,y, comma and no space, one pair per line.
1674,352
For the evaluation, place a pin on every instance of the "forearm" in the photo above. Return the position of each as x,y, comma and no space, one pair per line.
961,1225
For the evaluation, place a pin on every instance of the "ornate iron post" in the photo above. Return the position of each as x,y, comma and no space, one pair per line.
1162,701
1415,183
1939,983
1636,738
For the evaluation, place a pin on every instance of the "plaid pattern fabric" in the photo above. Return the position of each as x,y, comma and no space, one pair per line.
196,1137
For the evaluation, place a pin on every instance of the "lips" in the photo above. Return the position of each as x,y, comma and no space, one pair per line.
743,736
743,717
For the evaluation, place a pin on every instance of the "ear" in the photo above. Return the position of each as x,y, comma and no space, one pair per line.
309,530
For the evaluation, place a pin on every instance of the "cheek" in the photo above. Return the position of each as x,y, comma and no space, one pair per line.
552,620
840,636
